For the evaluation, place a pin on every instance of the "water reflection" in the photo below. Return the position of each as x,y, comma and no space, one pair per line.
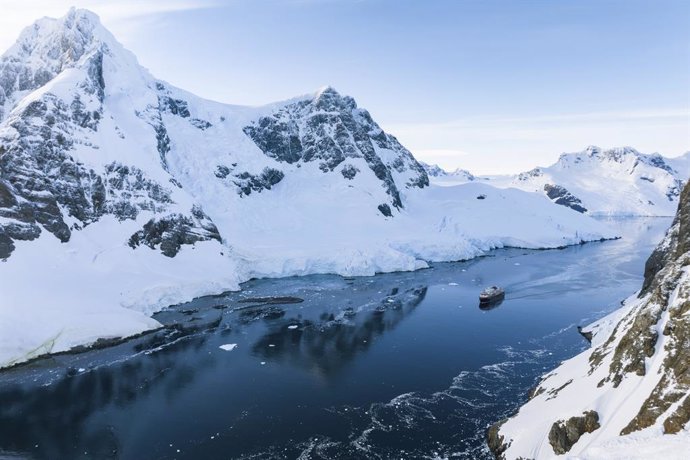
49,409
327,344
53,421
490,305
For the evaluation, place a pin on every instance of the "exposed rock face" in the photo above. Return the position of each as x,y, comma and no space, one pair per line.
385,210
663,272
525,176
178,107
38,176
560,195
564,434
42,186
330,129
663,308
246,182
496,441
349,172
171,232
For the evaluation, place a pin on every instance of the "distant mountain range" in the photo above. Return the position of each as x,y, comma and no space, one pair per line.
615,182
440,174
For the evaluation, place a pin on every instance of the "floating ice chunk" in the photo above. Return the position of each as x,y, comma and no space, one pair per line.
452,284
516,263
293,326
228,346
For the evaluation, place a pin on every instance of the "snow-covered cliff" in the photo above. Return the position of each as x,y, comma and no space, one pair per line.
628,396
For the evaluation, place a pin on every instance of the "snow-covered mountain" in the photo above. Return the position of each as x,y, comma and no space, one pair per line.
439,176
619,181
458,176
628,396
615,182
121,194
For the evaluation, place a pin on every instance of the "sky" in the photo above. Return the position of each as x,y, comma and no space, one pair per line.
489,86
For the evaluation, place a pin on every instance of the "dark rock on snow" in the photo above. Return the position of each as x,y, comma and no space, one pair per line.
564,434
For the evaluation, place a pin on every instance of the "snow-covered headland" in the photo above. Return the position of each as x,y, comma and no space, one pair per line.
628,396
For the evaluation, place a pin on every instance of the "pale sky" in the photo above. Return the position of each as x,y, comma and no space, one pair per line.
490,86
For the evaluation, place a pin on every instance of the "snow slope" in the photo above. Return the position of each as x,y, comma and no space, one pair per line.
619,181
615,182
634,379
120,194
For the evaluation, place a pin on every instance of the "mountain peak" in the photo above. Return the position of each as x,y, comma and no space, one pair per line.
594,151
48,47
328,94
65,38
80,16
327,91
625,150
330,100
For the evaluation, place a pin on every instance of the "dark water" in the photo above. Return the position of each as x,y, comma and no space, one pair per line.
400,365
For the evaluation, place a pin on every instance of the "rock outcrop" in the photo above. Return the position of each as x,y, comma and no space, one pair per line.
560,195
565,433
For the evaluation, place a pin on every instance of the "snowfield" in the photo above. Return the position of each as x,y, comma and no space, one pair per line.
121,195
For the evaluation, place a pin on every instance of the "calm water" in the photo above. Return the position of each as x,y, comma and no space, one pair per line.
400,365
